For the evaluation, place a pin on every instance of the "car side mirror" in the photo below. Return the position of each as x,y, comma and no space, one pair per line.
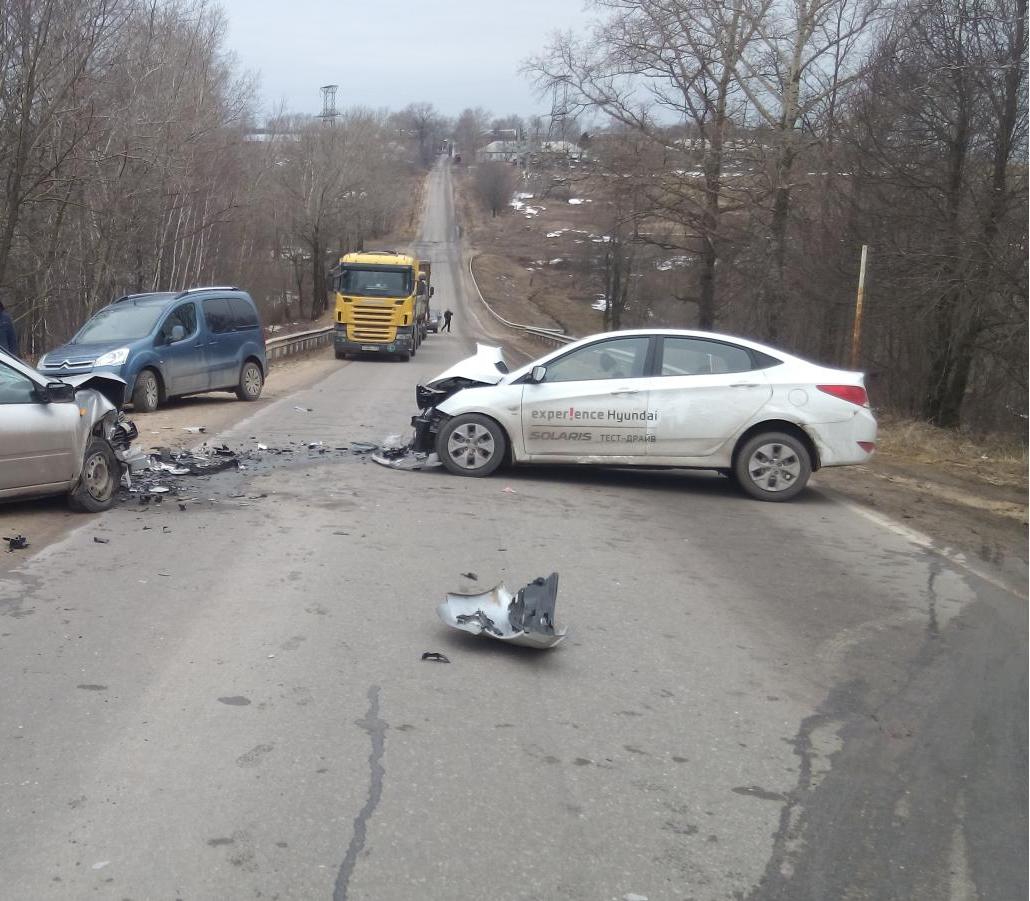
56,393
537,374
432,290
178,333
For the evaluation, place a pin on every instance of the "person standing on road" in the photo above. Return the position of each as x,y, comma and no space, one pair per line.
446,321
8,336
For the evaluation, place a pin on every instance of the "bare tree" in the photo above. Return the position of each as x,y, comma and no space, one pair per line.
495,182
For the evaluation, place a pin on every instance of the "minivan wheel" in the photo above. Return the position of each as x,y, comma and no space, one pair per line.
251,381
773,466
146,393
99,479
471,445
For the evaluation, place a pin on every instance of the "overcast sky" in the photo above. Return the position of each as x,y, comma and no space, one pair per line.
389,53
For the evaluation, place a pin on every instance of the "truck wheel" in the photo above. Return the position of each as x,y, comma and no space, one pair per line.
146,393
98,482
340,355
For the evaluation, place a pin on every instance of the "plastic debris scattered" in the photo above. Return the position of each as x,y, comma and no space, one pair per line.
472,577
17,543
304,409
97,540
525,618
435,656
195,429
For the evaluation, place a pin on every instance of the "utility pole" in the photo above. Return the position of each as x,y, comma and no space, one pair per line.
856,329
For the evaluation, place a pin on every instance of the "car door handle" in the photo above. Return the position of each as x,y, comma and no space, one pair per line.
624,391
746,385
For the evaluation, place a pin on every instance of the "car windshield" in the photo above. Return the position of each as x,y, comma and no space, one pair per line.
126,322
375,281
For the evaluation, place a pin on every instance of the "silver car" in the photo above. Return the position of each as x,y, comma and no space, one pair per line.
61,437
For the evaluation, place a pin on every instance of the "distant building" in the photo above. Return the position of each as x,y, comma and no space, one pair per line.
501,151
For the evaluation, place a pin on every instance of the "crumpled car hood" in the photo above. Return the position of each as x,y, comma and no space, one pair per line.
110,386
481,367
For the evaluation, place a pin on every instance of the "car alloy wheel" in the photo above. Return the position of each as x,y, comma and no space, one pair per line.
774,466
471,445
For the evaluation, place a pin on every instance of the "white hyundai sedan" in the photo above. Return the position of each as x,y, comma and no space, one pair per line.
659,398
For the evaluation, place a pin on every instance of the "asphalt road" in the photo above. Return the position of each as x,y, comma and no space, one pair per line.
756,701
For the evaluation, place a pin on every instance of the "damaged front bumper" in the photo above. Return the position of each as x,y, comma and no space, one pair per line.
525,618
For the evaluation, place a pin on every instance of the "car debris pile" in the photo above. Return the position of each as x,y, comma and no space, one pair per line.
525,618
395,453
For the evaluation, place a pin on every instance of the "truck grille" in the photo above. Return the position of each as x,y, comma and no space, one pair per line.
372,323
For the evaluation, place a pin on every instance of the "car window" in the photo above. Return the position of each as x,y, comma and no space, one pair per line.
15,388
218,316
186,316
698,356
616,358
125,321
244,316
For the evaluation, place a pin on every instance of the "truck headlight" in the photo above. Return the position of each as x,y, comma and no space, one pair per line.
113,357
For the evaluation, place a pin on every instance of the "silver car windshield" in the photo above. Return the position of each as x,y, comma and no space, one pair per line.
121,323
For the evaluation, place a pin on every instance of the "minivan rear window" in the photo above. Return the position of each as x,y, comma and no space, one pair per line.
243,314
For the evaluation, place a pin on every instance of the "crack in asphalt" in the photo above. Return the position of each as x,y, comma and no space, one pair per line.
376,729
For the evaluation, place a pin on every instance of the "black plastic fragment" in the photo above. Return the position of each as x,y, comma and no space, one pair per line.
101,540
533,607
17,543
471,576
435,656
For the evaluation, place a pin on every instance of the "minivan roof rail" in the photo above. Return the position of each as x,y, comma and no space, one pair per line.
207,288
384,252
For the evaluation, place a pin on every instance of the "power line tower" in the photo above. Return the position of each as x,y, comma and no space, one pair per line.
329,111
556,129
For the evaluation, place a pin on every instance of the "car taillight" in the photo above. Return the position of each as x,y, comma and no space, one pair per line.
853,394
867,446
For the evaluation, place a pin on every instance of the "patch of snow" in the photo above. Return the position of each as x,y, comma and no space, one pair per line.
556,261
556,234
575,200
680,262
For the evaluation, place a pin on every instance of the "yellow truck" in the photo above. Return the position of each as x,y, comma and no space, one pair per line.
382,303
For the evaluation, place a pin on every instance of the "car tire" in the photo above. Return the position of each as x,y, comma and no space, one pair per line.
99,479
773,466
146,393
251,381
340,355
471,445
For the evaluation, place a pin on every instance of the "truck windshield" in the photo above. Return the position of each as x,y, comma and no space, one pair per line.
119,323
375,281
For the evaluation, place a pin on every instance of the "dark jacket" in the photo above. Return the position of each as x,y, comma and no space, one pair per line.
8,336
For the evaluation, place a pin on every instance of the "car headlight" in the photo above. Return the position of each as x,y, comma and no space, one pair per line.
113,357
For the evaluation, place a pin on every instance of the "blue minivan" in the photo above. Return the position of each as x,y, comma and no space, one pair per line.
170,343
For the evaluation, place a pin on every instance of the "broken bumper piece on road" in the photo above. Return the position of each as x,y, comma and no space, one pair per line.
525,618
397,455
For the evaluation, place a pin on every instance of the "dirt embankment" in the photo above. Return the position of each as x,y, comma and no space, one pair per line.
537,264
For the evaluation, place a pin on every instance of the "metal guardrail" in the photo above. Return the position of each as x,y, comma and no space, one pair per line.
548,335
298,342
